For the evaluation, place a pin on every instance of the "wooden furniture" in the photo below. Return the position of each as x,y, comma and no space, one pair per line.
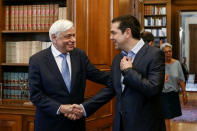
156,19
16,116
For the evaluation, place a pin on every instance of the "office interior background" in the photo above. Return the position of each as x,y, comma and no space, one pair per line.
24,28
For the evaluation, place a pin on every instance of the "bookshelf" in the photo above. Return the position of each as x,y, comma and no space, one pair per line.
93,31
24,29
156,19
24,32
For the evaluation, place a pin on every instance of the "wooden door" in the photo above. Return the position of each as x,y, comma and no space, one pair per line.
193,49
93,19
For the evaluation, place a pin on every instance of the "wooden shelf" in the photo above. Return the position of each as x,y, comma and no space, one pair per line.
162,37
22,2
152,27
14,64
24,31
155,15
150,2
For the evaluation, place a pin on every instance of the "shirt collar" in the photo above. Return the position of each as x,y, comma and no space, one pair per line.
55,52
136,48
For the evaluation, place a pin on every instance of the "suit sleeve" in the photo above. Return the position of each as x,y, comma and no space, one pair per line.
37,96
153,83
101,98
94,74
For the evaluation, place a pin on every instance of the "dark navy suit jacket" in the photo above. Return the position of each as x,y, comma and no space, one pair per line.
48,90
138,107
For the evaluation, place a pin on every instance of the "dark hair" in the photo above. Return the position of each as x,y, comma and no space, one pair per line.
147,36
129,21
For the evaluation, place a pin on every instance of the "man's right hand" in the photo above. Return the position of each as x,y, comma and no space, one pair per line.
72,112
66,109
77,112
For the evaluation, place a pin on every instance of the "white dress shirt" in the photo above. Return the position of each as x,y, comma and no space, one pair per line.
59,59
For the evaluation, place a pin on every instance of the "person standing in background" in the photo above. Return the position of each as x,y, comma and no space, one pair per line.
57,79
185,69
174,79
148,38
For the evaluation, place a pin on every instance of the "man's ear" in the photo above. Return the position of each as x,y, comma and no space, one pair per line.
53,36
128,32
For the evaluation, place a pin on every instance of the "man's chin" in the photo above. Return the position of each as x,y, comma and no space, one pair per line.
116,47
70,49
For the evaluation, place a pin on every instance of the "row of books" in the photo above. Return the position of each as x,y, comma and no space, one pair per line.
158,32
33,17
150,21
15,85
159,41
20,51
154,10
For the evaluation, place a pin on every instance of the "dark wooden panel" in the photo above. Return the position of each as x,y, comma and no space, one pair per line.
101,120
98,31
193,48
10,122
184,2
28,123
80,24
125,6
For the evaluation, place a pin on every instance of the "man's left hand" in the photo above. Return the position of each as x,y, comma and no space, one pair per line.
126,63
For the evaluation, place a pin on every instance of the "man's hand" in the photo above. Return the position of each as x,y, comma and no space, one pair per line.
77,112
185,99
65,109
125,63
166,77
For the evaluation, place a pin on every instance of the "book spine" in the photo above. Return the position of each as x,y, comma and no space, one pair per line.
7,14
29,17
25,17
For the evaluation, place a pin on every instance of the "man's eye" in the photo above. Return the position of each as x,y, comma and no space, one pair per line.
67,36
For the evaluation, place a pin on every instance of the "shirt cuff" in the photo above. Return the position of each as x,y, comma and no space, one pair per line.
58,111
84,111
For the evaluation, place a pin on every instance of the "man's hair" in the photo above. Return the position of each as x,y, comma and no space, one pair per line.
59,26
147,36
129,21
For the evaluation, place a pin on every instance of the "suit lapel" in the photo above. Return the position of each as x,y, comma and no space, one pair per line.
74,65
54,68
117,74
140,54
137,59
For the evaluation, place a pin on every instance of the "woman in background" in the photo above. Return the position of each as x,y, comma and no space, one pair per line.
174,79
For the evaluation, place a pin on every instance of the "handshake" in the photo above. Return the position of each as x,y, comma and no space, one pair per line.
72,112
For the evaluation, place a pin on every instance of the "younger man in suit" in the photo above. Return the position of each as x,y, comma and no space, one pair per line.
57,79
137,78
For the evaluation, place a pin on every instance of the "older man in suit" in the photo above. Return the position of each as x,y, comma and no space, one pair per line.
57,78
137,78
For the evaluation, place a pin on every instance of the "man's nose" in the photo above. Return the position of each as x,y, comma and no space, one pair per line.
73,39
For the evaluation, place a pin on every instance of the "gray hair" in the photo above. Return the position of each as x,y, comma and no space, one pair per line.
165,45
59,26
